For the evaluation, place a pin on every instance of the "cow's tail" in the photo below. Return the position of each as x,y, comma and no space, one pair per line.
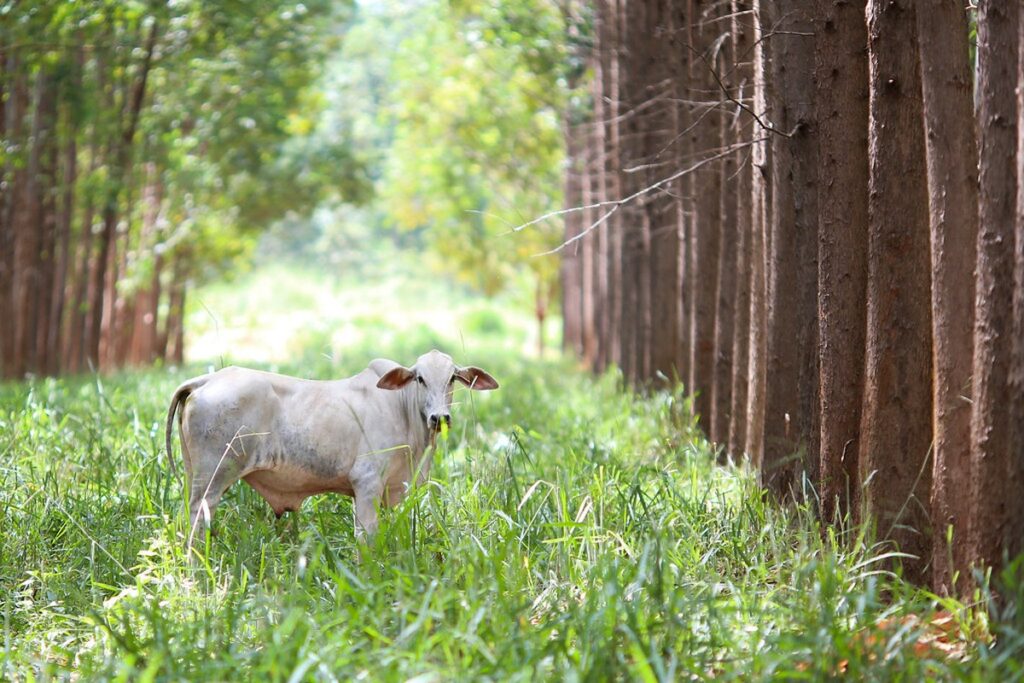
177,399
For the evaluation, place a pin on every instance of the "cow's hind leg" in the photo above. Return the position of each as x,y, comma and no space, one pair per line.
206,490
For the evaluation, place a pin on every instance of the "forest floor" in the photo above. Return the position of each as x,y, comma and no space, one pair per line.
571,530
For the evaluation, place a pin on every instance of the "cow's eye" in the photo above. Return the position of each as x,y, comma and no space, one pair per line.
420,380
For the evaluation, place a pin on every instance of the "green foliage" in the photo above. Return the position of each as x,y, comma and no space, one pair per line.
455,108
571,531
225,117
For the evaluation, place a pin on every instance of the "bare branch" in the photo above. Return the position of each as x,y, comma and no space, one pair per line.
618,203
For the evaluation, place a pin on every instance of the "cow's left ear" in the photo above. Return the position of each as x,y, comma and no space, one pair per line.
396,378
476,379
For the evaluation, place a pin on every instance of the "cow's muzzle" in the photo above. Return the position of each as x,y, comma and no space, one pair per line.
434,421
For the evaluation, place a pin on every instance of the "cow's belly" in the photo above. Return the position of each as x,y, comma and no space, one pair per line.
286,486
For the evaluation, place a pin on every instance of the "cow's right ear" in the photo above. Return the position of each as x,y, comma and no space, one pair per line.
395,378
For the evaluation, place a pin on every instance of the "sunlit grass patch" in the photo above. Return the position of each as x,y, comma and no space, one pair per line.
570,529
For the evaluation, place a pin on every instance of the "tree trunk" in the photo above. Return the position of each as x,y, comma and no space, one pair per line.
741,322
760,200
1016,379
791,404
952,154
589,260
145,311
1017,369
75,340
635,228
995,525
662,212
680,73
726,286
48,224
572,256
896,432
706,233
13,103
33,231
613,164
174,343
841,67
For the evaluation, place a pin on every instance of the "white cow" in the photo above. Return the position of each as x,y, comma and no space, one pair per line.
289,438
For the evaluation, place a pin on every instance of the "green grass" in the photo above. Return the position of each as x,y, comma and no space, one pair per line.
571,531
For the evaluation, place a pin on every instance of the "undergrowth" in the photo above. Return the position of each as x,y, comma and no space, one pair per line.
572,530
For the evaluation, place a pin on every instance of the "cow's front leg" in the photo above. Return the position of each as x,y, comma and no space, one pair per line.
367,501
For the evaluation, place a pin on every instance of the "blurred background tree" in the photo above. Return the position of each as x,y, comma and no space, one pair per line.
153,146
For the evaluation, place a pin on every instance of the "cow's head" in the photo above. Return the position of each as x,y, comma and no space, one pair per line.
435,375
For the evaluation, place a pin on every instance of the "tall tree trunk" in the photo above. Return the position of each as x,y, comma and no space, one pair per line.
760,200
664,245
78,298
572,256
12,100
143,328
896,432
48,222
174,343
726,286
706,229
995,528
69,177
600,192
1016,379
791,404
611,26
680,74
952,154
32,230
120,161
589,259
634,217
741,323
841,68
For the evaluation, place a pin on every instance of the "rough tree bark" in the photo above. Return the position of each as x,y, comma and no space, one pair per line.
952,153
741,323
707,224
760,209
634,316
1017,368
896,432
841,69
680,70
995,527
791,406
663,214
611,27
725,287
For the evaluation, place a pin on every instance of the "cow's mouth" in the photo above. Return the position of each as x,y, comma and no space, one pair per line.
435,423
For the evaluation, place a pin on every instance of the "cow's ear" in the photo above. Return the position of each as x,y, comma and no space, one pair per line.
476,379
395,378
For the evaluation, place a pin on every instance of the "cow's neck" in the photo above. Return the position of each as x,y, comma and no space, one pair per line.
420,437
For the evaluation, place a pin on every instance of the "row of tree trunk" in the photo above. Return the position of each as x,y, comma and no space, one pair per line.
84,281
798,210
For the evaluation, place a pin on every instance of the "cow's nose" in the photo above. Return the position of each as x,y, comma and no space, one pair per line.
434,421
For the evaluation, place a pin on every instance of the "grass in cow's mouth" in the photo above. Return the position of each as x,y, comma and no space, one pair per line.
571,530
